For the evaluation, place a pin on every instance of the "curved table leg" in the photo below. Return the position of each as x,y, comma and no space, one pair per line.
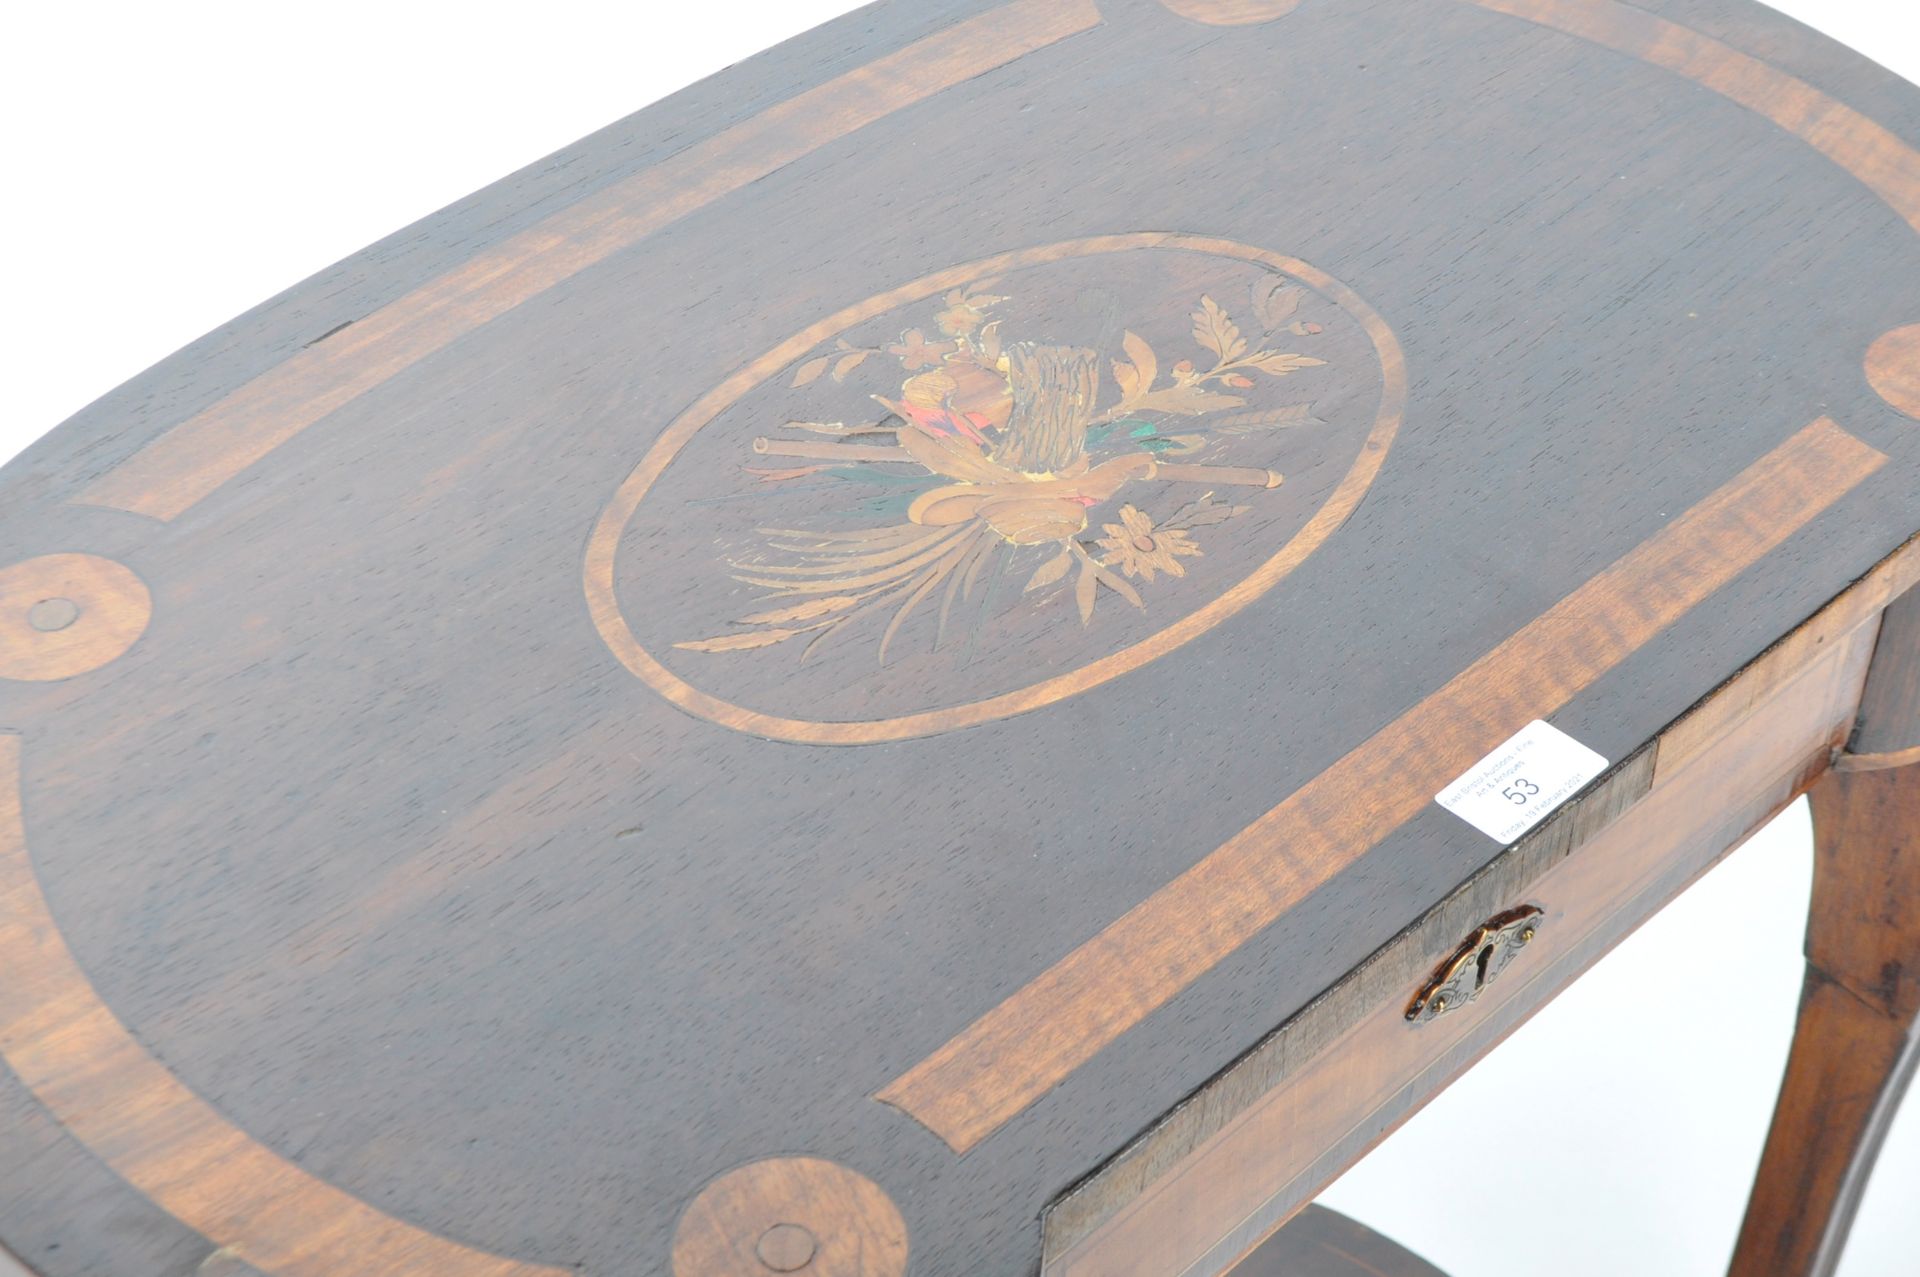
1855,1049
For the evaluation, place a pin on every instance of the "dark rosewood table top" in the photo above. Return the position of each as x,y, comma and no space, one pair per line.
844,644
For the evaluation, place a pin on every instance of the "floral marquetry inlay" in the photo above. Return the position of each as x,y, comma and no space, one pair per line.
994,444
996,487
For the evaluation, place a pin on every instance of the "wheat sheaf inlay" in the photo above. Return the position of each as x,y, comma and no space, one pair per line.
1002,456
995,487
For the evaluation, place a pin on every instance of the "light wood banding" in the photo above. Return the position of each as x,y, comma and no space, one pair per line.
1021,1049
1788,706
1333,1090
370,823
598,570
175,471
103,1086
1868,150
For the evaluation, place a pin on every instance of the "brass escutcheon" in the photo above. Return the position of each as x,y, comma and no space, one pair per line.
1480,958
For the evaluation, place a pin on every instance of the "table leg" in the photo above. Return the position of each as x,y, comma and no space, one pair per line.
1855,1048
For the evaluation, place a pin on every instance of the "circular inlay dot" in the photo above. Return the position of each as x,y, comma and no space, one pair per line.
62,615
786,1248
1893,369
800,1215
50,616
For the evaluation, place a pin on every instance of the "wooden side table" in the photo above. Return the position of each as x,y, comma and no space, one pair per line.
985,646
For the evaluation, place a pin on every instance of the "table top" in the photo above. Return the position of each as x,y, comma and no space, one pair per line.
763,694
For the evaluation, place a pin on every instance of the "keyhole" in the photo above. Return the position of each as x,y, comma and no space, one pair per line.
1486,960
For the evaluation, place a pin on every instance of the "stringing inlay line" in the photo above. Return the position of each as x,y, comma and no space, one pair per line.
173,472
103,1086
1870,151
1021,1049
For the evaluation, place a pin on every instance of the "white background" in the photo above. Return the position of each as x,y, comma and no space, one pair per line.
173,164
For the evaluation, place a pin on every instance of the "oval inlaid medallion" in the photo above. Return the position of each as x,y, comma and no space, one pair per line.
995,487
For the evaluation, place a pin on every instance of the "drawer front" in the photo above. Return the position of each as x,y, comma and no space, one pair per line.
1711,781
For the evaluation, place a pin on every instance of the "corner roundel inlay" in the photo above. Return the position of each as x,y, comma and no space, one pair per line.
1893,369
995,487
63,615
1232,13
791,1215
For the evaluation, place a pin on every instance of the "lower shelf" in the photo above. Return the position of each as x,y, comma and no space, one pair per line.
1322,1243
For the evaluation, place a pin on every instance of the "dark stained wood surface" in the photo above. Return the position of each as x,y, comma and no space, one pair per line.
424,849
1855,1048
1266,1136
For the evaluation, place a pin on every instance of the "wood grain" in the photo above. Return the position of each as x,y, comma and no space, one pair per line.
1021,1049
1889,722
1727,707
1802,670
1854,1049
174,472
390,868
603,546
1865,148
1334,1091
91,1073
1384,978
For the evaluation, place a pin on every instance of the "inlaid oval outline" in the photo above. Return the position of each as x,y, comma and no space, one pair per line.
603,544
304,1238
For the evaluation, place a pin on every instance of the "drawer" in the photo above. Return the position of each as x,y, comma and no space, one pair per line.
1222,1172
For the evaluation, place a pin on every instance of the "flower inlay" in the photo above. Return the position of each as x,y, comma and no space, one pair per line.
994,487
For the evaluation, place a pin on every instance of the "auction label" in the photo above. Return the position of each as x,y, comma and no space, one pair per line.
1519,784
